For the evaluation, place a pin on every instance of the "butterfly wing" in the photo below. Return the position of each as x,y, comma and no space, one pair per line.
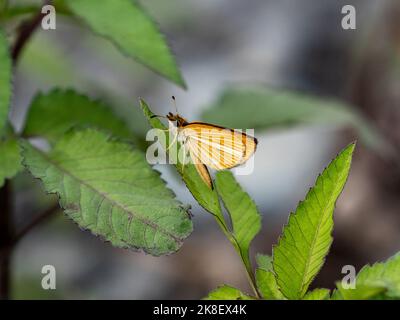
217,147
202,171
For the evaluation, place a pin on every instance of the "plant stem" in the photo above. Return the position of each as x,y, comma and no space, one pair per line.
25,32
6,234
36,221
249,272
243,256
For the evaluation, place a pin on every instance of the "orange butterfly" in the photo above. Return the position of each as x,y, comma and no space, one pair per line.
212,146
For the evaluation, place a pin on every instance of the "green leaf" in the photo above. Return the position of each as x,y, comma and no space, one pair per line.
267,285
317,294
264,261
336,295
51,115
226,292
10,160
5,81
362,293
108,187
265,278
246,221
135,34
306,238
206,197
262,108
373,281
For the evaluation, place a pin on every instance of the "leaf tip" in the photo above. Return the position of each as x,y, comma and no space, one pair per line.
182,83
348,151
143,104
352,146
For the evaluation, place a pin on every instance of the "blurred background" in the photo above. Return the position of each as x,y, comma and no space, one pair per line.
290,45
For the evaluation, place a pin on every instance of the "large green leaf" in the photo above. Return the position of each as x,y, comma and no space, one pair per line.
262,108
51,115
5,81
246,221
126,24
226,292
379,280
10,161
107,187
306,238
206,197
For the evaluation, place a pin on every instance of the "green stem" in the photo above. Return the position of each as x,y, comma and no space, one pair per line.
249,272
244,257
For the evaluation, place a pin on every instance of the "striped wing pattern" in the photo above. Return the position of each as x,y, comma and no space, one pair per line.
216,147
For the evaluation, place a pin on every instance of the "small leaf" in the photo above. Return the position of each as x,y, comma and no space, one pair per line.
226,292
267,286
264,261
134,33
51,115
265,278
108,187
306,238
246,221
317,294
10,160
206,197
268,108
373,281
362,292
5,81
336,295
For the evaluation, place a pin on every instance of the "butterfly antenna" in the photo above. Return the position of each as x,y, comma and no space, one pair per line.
174,101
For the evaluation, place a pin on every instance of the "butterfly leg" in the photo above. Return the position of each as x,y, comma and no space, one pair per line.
184,157
185,154
173,141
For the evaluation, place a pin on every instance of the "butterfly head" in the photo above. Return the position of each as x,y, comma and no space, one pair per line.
176,117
